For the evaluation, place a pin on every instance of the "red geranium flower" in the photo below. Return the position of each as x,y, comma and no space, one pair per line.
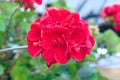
107,11
32,1
58,36
28,3
113,15
110,10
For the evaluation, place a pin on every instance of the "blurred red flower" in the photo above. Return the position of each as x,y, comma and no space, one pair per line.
107,11
60,35
112,14
28,3
32,1
110,10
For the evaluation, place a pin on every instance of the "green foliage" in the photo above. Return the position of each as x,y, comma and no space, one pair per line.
111,40
14,26
1,38
1,70
90,57
20,73
2,21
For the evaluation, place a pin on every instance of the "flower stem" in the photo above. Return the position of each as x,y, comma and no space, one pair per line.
15,48
39,64
9,24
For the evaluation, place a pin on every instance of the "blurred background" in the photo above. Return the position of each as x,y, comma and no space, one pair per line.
102,64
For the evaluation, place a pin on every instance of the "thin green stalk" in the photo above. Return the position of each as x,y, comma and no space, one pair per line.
39,64
9,24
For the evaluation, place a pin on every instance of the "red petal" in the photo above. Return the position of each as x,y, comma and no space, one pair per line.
64,15
38,1
51,35
47,40
33,50
28,1
26,7
38,20
87,49
76,15
35,33
78,36
46,20
77,55
53,13
92,40
49,57
61,55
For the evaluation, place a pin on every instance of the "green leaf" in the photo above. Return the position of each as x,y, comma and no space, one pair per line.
1,38
112,41
20,73
109,39
39,77
72,69
1,70
94,49
7,8
2,22
2,26
90,57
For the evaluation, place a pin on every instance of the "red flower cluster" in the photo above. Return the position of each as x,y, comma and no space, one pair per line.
58,36
112,12
28,3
